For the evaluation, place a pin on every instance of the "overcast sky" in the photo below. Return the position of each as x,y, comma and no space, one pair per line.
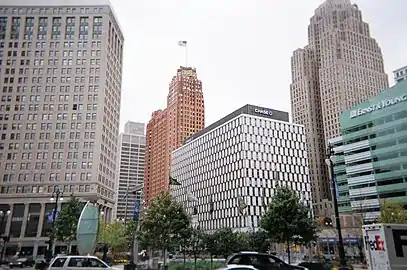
240,48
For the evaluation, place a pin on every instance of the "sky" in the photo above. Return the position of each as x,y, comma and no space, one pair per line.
240,48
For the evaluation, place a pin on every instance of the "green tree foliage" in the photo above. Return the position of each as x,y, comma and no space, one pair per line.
392,212
67,221
287,218
227,242
114,235
197,243
211,243
258,241
185,241
131,227
164,223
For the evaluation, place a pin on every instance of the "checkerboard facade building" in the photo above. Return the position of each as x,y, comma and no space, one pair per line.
242,157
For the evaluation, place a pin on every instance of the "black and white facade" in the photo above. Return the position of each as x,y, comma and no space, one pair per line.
240,160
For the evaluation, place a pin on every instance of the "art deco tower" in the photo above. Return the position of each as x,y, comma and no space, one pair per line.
168,129
340,67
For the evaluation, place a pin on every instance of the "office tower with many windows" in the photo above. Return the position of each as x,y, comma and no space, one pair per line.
371,155
60,72
239,161
340,67
131,168
167,129
400,74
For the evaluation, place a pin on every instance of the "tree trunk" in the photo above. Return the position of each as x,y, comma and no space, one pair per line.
195,256
211,260
185,257
165,257
288,251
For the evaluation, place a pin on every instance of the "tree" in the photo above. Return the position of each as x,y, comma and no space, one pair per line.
227,242
197,243
287,219
67,221
163,223
392,212
114,235
257,241
211,244
185,241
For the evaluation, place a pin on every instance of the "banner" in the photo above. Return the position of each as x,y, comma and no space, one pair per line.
136,213
50,216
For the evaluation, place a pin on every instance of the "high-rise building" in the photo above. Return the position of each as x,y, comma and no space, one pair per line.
233,166
61,73
371,154
167,129
400,74
340,67
131,168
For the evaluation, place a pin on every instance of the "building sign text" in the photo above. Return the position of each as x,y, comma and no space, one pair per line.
381,105
263,111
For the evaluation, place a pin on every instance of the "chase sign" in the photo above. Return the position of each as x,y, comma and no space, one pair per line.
381,105
263,111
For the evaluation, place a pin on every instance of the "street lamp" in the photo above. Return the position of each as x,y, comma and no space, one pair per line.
3,215
56,197
330,155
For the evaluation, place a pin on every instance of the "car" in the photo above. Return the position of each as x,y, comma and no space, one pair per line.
65,262
22,262
238,267
261,261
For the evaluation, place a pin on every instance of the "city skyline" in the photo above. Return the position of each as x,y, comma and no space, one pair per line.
257,57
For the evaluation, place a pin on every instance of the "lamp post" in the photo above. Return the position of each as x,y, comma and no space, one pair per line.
56,197
329,162
3,215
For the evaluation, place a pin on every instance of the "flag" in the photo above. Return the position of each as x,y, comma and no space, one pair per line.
211,206
241,204
174,182
182,43
336,188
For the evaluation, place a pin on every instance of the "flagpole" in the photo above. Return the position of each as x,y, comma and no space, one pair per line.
186,55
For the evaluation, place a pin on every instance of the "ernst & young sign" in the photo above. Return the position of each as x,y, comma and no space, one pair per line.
381,105
263,111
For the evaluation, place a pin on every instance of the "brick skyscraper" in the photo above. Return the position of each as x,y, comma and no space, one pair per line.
169,128
341,67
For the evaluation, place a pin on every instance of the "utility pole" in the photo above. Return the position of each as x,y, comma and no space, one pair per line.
5,237
330,155
55,196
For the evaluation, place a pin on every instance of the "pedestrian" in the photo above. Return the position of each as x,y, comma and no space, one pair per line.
105,250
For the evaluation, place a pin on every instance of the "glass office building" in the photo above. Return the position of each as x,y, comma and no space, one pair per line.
371,155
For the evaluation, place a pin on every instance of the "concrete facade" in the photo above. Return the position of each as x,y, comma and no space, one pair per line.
341,66
240,159
60,73
131,168
400,74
